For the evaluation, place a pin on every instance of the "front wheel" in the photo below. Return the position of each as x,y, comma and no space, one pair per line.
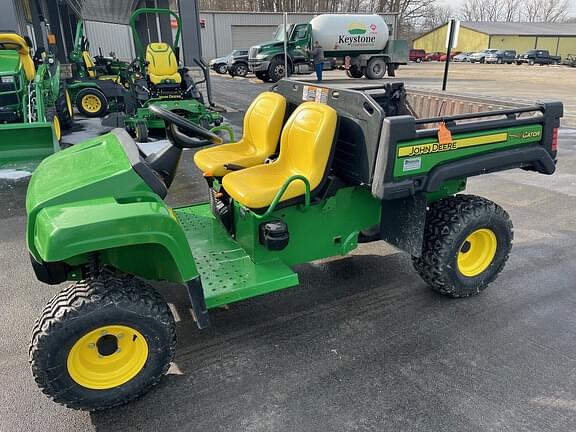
91,102
102,342
64,107
222,68
141,132
240,70
276,70
262,76
467,241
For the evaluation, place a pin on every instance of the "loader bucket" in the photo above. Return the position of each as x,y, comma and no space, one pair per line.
21,143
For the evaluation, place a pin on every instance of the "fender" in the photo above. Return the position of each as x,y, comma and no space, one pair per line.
137,235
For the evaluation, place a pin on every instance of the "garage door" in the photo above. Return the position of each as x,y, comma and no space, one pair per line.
247,36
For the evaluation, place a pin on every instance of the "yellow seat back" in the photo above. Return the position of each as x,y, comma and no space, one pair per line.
305,149
23,50
263,122
162,64
89,63
262,126
306,142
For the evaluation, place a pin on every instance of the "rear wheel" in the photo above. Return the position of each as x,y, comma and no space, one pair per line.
262,75
91,102
354,72
102,342
467,242
64,107
376,68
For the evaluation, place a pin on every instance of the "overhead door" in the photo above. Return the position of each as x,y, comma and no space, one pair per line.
244,36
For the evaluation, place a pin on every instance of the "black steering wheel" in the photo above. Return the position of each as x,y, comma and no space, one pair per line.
177,122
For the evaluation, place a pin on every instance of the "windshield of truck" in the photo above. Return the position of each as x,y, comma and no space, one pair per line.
279,34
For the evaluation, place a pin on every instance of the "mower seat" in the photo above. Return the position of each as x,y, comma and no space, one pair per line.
89,63
262,126
305,149
162,64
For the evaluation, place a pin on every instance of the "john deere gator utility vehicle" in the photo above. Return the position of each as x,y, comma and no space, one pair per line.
347,169
98,85
34,103
161,82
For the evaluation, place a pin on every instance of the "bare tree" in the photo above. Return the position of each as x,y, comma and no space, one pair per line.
515,10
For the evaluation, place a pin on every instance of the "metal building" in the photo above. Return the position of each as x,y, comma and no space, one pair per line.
221,32
559,39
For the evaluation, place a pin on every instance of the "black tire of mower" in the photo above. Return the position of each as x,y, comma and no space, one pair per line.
50,114
141,132
262,75
272,70
64,114
354,72
97,93
240,70
376,68
448,223
90,304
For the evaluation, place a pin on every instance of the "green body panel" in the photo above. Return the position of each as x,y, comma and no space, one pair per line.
88,198
227,271
431,154
9,62
327,228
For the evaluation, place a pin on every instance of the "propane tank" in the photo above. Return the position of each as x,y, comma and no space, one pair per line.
350,32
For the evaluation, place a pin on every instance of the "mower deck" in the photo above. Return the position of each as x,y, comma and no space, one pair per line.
227,272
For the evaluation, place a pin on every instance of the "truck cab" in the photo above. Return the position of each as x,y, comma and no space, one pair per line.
267,59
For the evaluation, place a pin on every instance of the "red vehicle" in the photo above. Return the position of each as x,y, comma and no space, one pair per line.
417,55
452,54
434,56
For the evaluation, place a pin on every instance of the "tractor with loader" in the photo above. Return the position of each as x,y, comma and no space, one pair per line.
317,172
34,103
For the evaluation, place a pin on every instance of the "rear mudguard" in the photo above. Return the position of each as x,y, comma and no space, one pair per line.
136,235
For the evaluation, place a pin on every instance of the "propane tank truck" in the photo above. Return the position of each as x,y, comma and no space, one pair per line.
361,43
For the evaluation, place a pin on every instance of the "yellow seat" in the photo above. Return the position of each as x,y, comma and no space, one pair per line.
17,43
162,64
262,127
305,149
89,63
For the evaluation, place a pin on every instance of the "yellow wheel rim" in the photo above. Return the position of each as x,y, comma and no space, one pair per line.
477,252
91,103
107,357
56,127
69,104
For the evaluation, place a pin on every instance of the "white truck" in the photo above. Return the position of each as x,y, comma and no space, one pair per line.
361,43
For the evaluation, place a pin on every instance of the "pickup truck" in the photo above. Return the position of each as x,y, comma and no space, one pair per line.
537,56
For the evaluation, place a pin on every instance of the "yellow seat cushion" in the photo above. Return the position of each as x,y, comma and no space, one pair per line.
162,64
305,149
262,127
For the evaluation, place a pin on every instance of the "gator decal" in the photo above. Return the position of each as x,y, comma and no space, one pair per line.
422,149
419,156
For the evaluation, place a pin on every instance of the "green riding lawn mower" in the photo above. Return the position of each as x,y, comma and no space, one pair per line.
98,85
308,180
34,103
160,81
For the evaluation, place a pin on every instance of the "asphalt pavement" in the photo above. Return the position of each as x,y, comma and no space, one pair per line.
360,345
